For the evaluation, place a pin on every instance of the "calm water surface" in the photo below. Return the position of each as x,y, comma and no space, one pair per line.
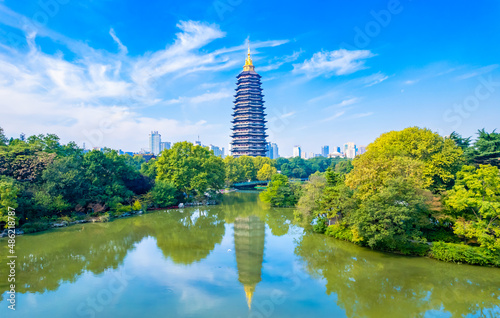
238,259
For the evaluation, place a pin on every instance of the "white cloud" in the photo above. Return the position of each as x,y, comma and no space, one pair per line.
339,62
479,71
281,61
337,115
411,82
361,115
347,102
374,79
203,98
95,97
289,114
123,49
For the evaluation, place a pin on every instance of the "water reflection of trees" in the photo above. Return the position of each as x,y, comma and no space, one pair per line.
247,204
45,260
371,284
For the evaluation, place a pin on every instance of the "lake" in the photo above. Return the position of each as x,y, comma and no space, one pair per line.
237,259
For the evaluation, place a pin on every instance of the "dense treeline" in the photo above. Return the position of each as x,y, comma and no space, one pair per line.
410,187
46,180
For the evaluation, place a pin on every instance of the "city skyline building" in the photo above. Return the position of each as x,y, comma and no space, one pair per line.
325,151
218,151
165,145
274,151
249,124
154,142
297,151
350,150
361,150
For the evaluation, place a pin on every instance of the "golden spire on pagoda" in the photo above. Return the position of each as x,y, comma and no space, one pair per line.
249,294
248,62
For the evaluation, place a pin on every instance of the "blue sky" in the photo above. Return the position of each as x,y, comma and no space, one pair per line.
108,72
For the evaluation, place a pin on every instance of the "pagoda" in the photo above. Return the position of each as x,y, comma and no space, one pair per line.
249,124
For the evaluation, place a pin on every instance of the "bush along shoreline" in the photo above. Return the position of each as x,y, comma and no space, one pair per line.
43,225
413,192
48,183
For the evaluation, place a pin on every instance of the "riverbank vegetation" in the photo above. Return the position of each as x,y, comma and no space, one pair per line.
51,183
413,192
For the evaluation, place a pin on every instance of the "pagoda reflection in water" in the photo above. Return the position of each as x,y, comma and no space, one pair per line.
249,238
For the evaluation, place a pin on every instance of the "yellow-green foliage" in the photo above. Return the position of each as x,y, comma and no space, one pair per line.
340,231
458,253
475,199
418,155
137,205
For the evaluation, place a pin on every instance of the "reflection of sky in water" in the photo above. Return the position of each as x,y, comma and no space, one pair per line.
300,274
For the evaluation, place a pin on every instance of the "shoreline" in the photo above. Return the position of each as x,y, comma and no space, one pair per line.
101,218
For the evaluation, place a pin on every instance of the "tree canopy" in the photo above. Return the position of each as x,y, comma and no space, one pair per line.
418,155
475,200
192,169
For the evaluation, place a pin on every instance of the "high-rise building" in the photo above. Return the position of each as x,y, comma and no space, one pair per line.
361,150
165,145
325,150
339,150
297,151
154,142
350,150
219,152
274,151
249,124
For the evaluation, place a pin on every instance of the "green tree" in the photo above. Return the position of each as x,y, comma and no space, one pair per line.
149,168
392,216
476,200
8,198
234,173
280,192
192,169
135,161
266,172
486,149
259,162
309,203
248,169
164,194
3,139
419,155
461,142
344,167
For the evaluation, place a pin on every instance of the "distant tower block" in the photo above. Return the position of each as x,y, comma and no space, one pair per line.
249,124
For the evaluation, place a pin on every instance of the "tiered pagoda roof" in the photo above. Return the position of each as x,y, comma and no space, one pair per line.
249,129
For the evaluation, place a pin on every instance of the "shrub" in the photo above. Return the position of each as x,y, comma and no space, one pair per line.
137,205
104,218
459,253
120,208
411,248
164,193
65,218
321,225
340,231
33,227
441,235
